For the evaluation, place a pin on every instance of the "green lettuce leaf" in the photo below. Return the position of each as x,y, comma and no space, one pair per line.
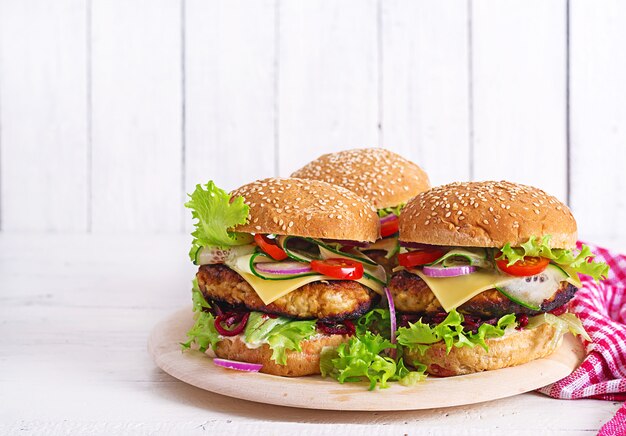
420,336
361,358
580,262
216,214
281,334
203,332
390,210
567,322
377,321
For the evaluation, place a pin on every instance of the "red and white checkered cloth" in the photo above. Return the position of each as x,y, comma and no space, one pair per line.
602,309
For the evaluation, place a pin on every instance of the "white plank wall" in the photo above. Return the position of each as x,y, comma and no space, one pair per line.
425,89
327,79
598,117
43,121
230,71
519,92
136,97
111,110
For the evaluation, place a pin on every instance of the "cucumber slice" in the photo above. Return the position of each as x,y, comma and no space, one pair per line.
295,254
531,291
268,276
474,257
389,245
353,254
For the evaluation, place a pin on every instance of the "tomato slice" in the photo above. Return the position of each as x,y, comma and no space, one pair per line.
529,266
338,268
389,227
419,257
270,247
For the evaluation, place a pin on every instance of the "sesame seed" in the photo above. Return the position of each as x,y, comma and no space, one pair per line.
448,214
485,222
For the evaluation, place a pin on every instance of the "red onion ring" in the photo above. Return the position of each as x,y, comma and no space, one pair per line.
239,319
452,271
238,366
389,217
287,268
392,319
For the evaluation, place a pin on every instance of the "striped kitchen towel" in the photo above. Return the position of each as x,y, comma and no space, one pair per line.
602,309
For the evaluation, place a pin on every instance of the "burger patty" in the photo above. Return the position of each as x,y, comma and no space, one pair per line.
332,300
411,294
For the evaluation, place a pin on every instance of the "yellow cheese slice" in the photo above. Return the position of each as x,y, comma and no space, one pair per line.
454,291
271,290
451,292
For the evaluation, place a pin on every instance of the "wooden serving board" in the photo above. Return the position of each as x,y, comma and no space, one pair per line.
314,392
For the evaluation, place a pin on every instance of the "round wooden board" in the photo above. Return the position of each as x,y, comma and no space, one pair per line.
314,392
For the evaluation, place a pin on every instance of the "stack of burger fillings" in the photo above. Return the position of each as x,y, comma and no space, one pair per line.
380,176
280,281
485,277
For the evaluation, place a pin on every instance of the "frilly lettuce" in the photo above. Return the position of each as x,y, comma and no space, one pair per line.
421,336
361,358
216,214
203,332
580,262
390,210
568,322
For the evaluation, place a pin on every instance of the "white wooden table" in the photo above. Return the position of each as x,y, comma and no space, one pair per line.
75,313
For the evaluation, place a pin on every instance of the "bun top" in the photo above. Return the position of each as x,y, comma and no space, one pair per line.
486,214
308,208
378,175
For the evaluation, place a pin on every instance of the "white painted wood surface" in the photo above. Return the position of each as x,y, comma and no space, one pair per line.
327,79
111,110
43,116
136,97
519,71
425,85
598,117
73,358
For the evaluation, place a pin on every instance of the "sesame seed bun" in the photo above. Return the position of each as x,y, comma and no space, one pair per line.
486,214
516,348
308,208
378,175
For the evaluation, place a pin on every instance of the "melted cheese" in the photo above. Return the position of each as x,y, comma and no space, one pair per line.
271,290
451,292
454,291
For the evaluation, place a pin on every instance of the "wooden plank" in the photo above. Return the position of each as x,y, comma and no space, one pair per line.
425,85
328,79
598,118
519,92
43,135
230,91
137,130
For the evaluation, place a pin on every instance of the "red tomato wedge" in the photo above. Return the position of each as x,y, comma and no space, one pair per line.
529,266
270,247
338,268
389,227
419,257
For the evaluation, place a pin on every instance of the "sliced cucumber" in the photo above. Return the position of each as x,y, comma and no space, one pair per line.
531,291
269,276
295,254
389,245
212,255
352,254
475,257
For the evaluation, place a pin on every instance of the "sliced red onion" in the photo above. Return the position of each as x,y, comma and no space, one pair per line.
389,217
238,366
282,267
392,319
452,271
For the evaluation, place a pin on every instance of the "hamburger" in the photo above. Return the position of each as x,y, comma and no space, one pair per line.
279,279
486,273
380,176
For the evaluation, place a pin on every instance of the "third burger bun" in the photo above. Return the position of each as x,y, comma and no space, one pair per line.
486,214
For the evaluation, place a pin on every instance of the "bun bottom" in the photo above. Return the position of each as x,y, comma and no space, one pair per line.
513,349
305,362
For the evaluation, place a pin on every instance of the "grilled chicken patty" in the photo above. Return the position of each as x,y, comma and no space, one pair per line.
332,300
411,294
